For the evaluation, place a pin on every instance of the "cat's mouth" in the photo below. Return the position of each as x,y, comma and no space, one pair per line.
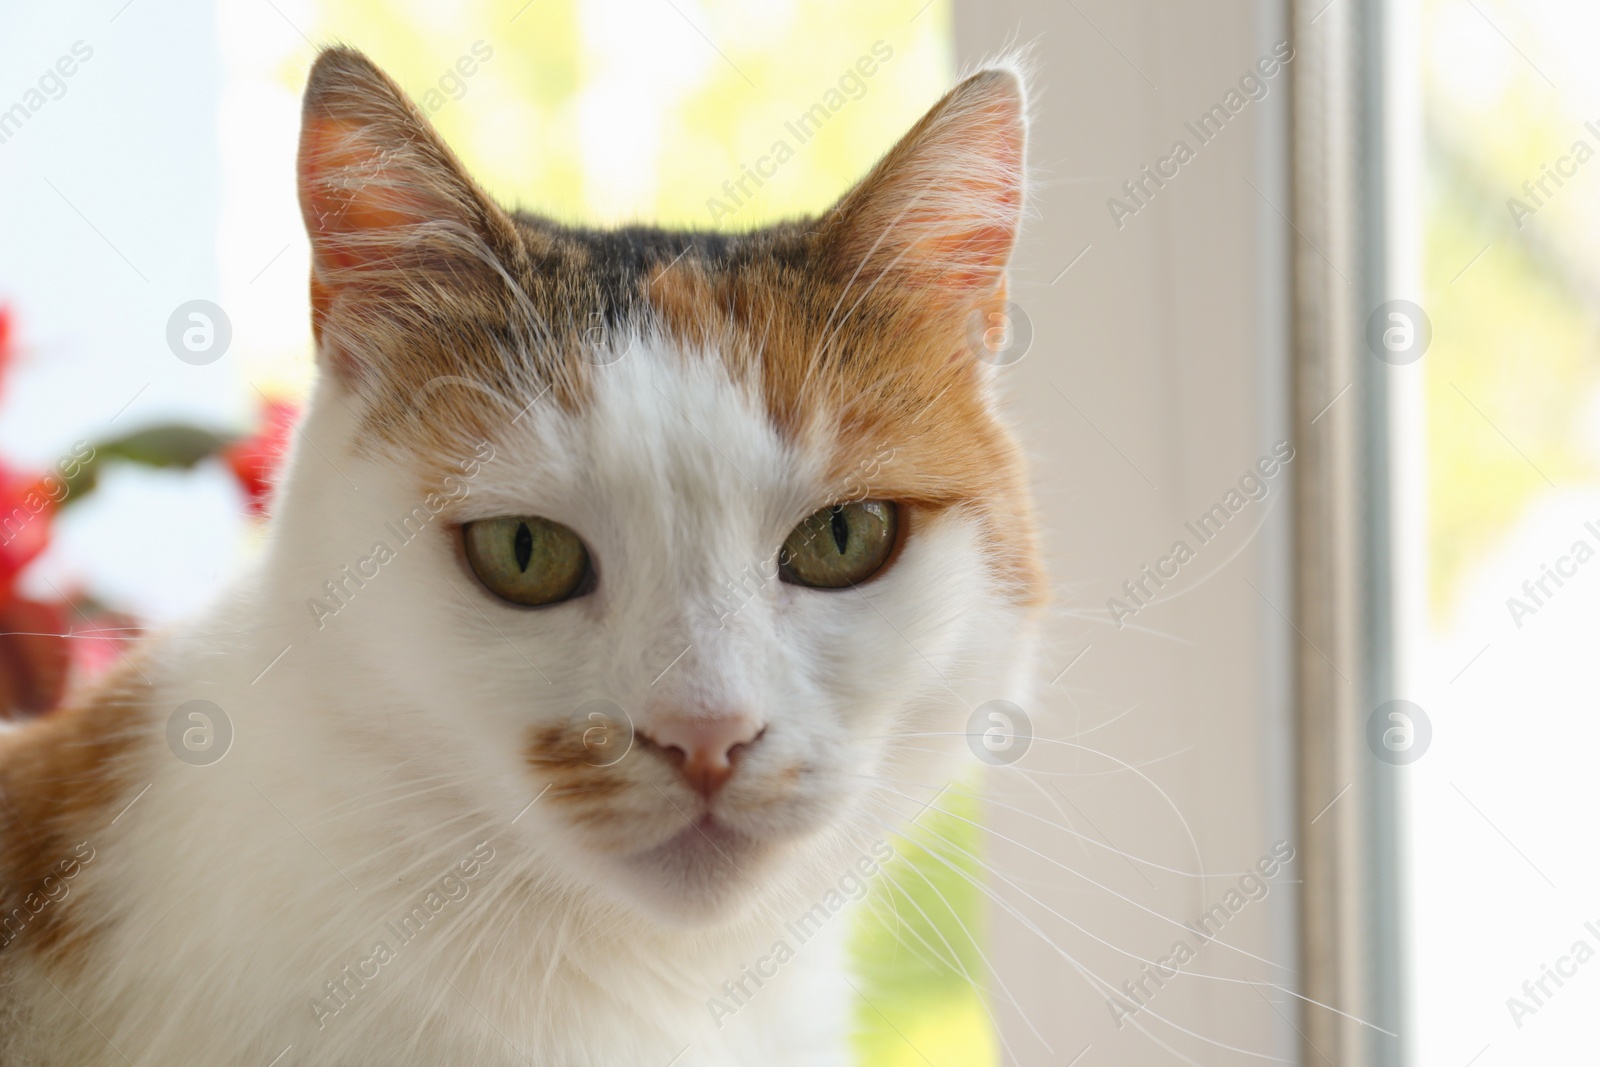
699,873
711,830
706,840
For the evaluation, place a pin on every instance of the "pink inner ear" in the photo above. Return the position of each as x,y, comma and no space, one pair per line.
989,189
347,187
343,192
943,208
972,259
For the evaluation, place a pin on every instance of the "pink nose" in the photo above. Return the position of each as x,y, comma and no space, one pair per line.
703,746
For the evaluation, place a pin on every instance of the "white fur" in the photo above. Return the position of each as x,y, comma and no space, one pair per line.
388,743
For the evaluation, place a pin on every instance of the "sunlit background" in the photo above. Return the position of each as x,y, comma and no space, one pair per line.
1500,886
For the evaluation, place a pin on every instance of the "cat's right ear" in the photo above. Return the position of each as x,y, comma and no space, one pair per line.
393,217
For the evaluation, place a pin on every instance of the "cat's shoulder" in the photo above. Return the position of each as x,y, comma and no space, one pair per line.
81,739
63,779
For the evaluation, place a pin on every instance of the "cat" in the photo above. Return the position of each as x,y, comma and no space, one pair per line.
624,592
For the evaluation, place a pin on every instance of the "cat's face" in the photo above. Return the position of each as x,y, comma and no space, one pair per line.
718,541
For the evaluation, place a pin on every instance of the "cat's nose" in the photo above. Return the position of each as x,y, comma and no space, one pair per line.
703,747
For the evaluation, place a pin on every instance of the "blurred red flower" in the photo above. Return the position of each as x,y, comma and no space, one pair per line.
44,647
34,651
255,460
25,511
35,657
5,340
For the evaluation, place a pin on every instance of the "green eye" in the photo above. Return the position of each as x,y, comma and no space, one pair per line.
526,560
840,545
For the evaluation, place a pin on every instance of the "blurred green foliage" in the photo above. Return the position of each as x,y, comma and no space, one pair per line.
693,105
920,947
1511,379
1515,365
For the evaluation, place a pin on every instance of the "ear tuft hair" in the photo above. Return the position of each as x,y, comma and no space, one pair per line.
940,213
389,208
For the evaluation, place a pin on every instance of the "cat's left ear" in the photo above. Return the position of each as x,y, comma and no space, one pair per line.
393,217
938,217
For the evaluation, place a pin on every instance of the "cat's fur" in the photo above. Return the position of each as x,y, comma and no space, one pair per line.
680,400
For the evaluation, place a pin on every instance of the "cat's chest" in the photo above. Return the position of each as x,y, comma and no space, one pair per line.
435,1014
459,965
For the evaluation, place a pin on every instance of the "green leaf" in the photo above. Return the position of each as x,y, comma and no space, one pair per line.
168,445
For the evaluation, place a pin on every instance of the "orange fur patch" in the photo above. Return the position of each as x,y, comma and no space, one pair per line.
63,779
586,784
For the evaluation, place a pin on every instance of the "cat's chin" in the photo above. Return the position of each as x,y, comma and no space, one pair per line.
708,874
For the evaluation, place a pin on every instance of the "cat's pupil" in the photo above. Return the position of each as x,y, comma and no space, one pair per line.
841,529
522,544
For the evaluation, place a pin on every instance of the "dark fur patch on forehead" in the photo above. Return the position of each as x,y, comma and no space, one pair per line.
634,250
621,265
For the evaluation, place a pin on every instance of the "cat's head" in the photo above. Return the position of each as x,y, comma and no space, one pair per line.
710,544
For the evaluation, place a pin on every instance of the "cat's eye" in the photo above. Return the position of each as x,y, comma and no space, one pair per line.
526,560
841,545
